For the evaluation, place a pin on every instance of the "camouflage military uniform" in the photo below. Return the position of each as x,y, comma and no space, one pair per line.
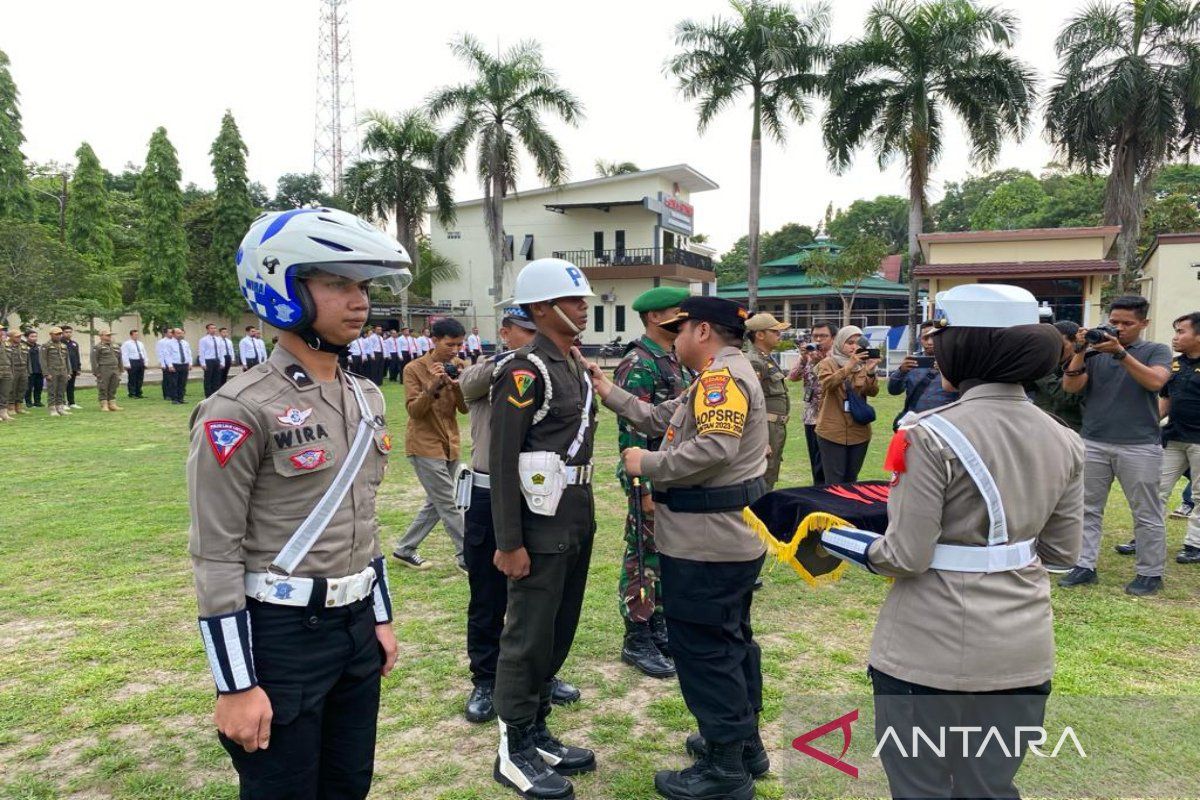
18,353
775,392
6,378
654,376
106,367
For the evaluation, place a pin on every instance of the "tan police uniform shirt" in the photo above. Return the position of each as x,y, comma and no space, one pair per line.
56,361
474,383
964,631
714,434
264,449
106,358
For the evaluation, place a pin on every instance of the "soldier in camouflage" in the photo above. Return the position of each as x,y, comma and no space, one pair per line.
18,354
650,372
763,332
106,368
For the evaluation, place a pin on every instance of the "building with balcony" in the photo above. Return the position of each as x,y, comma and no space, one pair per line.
628,233
1065,268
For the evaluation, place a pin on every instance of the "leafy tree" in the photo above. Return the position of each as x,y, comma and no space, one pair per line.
961,198
1175,213
1019,203
39,275
845,271
1074,200
163,275
89,223
1128,99
768,52
433,268
15,199
501,110
892,86
1178,179
885,218
233,213
258,195
298,190
609,169
785,241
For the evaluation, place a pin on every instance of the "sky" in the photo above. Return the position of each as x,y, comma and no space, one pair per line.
111,72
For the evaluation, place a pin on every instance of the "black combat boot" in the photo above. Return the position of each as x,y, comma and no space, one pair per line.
721,775
519,766
754,754
563,759
639,652
658,633
479,704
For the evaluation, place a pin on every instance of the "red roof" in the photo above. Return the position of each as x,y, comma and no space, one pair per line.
1049,269
890,268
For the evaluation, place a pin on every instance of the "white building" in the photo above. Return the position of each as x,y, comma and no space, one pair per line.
628,233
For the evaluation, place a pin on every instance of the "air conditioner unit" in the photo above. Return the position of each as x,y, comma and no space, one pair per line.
608,297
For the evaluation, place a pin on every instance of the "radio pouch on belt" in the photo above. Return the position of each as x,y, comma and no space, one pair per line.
464,482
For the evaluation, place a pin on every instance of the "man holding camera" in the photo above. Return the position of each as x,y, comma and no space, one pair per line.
433,399
919,379
806,370
1120,375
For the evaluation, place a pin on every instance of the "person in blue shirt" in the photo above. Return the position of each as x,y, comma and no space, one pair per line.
921,386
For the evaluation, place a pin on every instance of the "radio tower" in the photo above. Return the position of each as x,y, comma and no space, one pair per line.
336,140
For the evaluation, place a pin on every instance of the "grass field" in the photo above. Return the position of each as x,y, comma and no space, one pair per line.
104,691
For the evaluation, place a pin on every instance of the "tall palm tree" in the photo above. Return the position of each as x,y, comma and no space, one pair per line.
891,87
609,169
766,51
1127,97
402,179
501,111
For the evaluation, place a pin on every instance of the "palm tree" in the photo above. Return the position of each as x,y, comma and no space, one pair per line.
890,88
402,179
500,110
767,51
1128,97
609,169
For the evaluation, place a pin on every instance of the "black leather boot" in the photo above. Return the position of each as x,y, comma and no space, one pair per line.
754,754
658,633
563,759
639,652
520,767
721,774
479,704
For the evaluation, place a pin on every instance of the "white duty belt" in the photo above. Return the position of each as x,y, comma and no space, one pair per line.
267,587
998,555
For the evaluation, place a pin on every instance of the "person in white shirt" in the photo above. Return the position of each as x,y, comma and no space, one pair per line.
408,349
211,358
133,359
424,343
474,345
228,359
358,354
179,354
377,355
162,350
391,355
252,349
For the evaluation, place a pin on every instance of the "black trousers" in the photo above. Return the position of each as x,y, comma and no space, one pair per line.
987,771
320,669
404,361
539,628
137,374
225,367
71,388
489,589
707,607
814,455
212,376
393,368
378,369
475,354
841,462
356,366
33,394
249,364
178,381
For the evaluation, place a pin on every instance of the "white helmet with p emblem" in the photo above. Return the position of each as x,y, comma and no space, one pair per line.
548,279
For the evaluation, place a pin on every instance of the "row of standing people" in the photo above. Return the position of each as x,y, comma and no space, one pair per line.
382,355
26,366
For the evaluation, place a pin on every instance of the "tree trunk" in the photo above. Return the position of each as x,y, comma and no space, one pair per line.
847,307
493,213
755,192
404,232
1123,207
918,171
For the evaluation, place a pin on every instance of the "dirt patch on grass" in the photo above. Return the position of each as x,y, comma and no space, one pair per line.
19,634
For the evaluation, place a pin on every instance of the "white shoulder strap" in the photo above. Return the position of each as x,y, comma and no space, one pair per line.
973,463
319,518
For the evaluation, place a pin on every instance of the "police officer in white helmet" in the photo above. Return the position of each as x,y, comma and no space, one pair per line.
543,420
284,465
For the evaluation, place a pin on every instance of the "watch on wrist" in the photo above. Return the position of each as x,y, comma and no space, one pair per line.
1120,355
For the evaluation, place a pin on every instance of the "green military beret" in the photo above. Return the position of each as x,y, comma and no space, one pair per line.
660,298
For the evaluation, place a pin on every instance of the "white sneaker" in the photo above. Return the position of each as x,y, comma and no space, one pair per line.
76,406
1183,512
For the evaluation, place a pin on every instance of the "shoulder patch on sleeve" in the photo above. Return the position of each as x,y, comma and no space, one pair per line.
719,404
225,436
523,380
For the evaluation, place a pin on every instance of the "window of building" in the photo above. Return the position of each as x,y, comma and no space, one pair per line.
619,245
598,315
619,319
527,247
598,243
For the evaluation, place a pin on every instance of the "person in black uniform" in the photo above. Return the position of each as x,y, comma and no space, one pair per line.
33,393
75,362
543,421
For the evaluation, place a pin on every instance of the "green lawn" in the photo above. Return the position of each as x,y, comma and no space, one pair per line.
104,691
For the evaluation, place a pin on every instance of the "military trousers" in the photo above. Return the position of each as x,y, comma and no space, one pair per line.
539,628
7,384
106,385
639,573
56,389
320,669
19,390
489,589
777,439
707,607
985,771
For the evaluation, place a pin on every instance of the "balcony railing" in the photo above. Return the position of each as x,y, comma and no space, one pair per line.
635,256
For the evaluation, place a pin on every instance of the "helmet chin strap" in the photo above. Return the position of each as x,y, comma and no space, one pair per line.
314,342
563,316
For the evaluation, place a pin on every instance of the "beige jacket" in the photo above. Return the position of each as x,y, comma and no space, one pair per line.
432,418
729,451
834,423
284,436
974,631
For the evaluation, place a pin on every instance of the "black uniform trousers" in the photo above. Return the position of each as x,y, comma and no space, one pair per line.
377,369
178,379
707,608
226,365
33,393
814,455
320,669
212,376
986,771
71,388
393,366
489,589
137,374
539,627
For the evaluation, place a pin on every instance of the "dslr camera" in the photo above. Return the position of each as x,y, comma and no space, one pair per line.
451,370
810,347
1097,334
